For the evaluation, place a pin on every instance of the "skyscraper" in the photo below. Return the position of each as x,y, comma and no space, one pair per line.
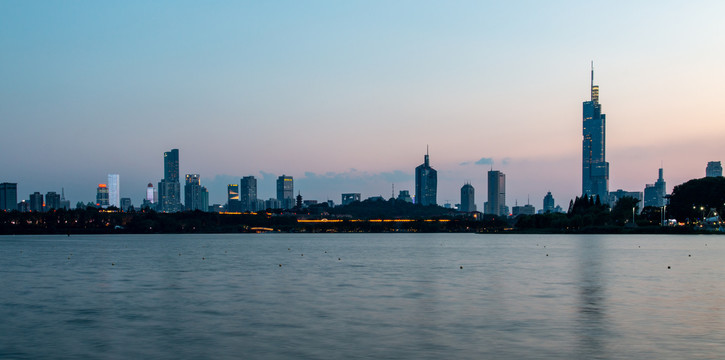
248,193
595,168
169,186
102,195
8,196
713,169
150,193
496,203
193,193
285,191
233,203
52,201
654,194
548,203
36,202
468,198
426,183
114,194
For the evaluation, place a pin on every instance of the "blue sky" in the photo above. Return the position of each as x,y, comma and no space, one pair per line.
345,96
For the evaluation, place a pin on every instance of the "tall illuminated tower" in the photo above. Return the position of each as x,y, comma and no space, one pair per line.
114,192
286,191
426,183
169,186
595,168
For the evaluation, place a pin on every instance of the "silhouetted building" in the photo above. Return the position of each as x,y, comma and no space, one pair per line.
102,196
595,168
114,190
52,201
233,203
549,203
405,196
298,204
248,193
64,204
204,199
426,183
36,202
496,203
285,191
150,193
350,198
527,209
126,204
617,195
272,203
468,198
193,193
8,196
169,187
24,206
713,169
654,194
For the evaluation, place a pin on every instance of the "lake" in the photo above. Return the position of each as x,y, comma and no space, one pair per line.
362,296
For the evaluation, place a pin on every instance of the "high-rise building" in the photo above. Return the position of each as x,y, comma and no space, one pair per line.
193,193
204,199
150,193
654,194
426,183
169,187
595,168
248,193
233,203
615,196
52,201
114,192
36,202
102,195
713,169
405,196
285,191
549,203
126,204
8,196
496,203
468,198
64,204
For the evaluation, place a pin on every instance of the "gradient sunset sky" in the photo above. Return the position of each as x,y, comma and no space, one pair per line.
346,95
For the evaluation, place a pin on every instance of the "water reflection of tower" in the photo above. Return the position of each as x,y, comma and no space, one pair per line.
592,300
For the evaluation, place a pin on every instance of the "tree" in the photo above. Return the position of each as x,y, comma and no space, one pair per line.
624,210
694,199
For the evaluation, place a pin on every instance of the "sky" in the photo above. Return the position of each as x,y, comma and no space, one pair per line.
345,96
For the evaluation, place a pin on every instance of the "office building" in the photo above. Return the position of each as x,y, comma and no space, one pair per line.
233,203
193,193
102,196
595,168
204,199
36,202
615,196
713,169
126,204
248,193
654,194
468,198
169,187
150,194
64,204
8,196
52,201
527,209
548,203
114,192
350,198
426,183
285,191
496,204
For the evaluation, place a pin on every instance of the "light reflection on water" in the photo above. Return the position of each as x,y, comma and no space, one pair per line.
382,296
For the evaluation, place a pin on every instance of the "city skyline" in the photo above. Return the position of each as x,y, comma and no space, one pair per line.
319,93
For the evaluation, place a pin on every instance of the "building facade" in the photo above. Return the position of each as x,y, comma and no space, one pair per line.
496,204
548,203
8,196
248,193
102,196
713,169
193,194
426,183
233,203
114,192
36,202
52,201
654,194
468,198
170,187
285,191
350,198
595,168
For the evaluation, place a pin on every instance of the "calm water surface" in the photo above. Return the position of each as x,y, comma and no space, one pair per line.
373,296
